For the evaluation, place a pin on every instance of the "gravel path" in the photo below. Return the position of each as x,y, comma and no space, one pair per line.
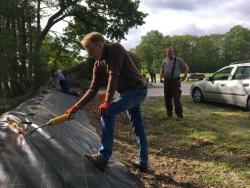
156,89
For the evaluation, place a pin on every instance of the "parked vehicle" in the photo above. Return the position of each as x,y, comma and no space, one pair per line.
230,85
195,76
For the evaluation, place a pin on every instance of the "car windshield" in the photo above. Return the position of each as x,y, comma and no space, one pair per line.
223,74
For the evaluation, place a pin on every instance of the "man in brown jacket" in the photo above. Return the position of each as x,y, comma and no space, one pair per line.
115,68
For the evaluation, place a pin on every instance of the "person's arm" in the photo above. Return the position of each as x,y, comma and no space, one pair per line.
52,82
54,79
92,91
186,70
161,75
162,71
116,61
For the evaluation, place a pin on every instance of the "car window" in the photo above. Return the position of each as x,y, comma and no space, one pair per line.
242,73
223,74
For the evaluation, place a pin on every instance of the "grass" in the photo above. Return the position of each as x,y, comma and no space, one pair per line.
211,148
208,74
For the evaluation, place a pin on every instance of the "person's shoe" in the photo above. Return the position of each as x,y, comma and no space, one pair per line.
169,116
142,168
180,119
99,161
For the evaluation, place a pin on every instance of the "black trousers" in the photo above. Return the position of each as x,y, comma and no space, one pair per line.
153,78
172,93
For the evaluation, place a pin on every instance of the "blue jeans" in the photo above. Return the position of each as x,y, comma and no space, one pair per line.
128,101
64,85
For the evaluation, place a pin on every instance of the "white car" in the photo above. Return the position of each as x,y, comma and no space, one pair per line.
230,85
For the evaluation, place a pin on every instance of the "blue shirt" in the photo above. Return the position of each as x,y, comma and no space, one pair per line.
59,76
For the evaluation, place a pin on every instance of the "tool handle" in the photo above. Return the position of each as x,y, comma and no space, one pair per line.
59,119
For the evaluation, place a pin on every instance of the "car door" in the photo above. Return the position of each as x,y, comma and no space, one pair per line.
238,89
216,86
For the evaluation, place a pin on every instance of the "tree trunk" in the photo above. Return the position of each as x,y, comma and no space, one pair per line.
31,51
14,68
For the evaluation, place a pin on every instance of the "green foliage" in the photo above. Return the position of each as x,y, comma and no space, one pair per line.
150,49
119,15
27,53
203,54
237,44
59,54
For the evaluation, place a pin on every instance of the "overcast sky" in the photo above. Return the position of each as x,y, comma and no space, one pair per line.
194,17
179,17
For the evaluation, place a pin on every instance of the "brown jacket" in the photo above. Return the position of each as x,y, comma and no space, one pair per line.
117,70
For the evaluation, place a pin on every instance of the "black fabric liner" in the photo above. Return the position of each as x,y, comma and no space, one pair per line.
53,156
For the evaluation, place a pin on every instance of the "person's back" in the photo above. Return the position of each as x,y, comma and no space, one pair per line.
153,71
59,76
125,72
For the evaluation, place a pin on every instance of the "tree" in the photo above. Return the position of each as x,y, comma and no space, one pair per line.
237,44
116,17
150,49
58,53
203,54
22,35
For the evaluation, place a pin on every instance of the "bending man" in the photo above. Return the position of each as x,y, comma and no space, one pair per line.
115,68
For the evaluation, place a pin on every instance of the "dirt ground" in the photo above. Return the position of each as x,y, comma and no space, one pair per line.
163,171
211,149
182,155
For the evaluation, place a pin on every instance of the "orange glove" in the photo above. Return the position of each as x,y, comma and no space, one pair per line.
72,110
103,107
102,95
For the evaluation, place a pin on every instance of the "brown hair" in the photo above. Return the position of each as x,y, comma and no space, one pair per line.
170,48
92,38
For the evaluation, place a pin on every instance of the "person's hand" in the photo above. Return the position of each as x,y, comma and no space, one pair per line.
101,95
72,110
183,78
103,107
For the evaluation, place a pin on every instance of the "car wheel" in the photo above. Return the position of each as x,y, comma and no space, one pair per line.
197,95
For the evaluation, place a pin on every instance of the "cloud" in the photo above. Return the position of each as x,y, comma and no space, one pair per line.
192,17
189,29
187,5
238,8
133,38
